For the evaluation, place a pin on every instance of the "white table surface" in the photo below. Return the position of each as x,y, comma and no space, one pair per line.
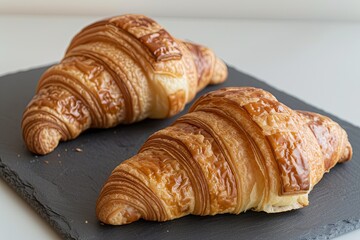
317,61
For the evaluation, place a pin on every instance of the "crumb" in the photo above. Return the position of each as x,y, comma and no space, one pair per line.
102,224
59,155
78,150
32,160
59,162
86,221
65,149
19,155
47,162
36,156
167,230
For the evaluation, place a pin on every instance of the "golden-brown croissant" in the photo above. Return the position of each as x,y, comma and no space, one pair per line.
119,70
237,149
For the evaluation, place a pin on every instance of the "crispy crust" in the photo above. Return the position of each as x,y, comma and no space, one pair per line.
119,70
237,149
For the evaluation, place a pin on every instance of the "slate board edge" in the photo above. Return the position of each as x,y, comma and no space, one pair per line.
333,230
26,69
28,193
55,220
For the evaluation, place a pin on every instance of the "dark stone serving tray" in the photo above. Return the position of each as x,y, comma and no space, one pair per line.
64,185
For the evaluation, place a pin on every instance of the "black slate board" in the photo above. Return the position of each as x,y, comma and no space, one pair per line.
63,186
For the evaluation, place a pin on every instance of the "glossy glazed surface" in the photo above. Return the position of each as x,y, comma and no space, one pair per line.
237,149
118,70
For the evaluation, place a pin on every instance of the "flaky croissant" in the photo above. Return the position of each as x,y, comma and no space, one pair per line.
119,70
237,149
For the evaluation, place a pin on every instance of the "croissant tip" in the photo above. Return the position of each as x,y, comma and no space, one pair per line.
44,140
118,214
347,153
220,72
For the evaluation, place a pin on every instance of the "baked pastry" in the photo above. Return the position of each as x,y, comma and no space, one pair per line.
119,70
237,149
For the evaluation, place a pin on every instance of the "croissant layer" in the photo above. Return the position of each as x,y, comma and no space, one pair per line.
119,70
237,149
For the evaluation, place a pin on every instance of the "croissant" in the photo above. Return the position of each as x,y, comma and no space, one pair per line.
237,149
119,70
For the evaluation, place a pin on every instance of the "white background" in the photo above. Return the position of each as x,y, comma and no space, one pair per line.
255,9
310,49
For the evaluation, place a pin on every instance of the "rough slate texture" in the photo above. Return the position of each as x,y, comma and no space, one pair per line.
63,186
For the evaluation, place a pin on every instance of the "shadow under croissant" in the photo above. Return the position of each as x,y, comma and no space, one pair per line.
254,225
182,228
